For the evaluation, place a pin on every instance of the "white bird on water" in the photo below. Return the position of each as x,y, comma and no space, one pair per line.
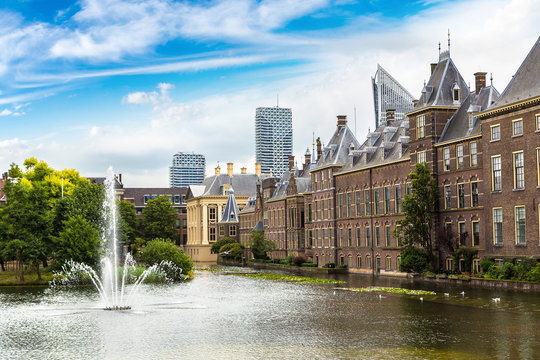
446,294
422,299
496,300
462,293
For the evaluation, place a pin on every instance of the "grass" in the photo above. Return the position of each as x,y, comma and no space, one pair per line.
290,278
393,290
7,278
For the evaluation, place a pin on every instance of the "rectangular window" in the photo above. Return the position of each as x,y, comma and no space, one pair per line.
388,266
232,230
212,234
349,201
388,236
398,198
366,203
496,173
340,237
377,236
340,205
177,199
497,226
212,214
323,236
184,224
420,124
495,132
474,194
461,195
387,199
447,196
146,198
421,157
517,127
462,233
519,175
309,214
330,209
538,165
520,225
358,243
409,189
459,157
358,203
474,154
349,240
368,236
537,122
476,233
377,207
446,155
315,213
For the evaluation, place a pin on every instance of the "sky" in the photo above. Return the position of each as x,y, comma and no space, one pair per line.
90,84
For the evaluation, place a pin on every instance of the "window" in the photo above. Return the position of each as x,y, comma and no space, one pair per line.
340,205
447,196
388,263
366,202
497,226
212,234
517,127
495,132
232,230
496,173
387,199
474,194
519,176
409,189
349,212
476,233
368,261
184,224
358,203
315,216
420,124
462,233
178,223
460,157
461,195
446,155
471,120
421,157
177,199
349,240
146,198
183,199
388,236
212,213
474,154
329,208
377,207
358,237
317,237
520,225
358,261
537,122
368,237
538,164
455,94
310,238
377,236
323,236
309,214
340,237
398,198
449,264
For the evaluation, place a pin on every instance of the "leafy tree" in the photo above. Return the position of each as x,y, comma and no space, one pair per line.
79,241
232,251
259,245
216,247
413,259
158,250
159,219
127,222
419,209
16,249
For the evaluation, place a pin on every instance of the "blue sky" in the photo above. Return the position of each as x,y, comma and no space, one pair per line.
92,83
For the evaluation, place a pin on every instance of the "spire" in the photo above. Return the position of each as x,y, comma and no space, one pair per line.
448,41
491,78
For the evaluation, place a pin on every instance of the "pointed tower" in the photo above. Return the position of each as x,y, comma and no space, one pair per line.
228,225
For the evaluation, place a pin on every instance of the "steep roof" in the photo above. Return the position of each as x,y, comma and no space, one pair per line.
458,125
302,184
137,194
525,84
337,150
230,213
243,185
439,89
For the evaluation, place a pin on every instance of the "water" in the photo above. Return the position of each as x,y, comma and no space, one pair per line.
219,316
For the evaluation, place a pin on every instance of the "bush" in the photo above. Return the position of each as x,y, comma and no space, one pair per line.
232,251
216,247
493,272
283,262
534,274
524,267
308,264
289,259
342,266
159,250
299,260
508,271
329,265
485,264
413,259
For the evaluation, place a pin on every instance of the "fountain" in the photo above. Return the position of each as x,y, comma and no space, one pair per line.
112,291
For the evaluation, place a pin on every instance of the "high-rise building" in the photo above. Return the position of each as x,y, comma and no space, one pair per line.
187,169
273,139
389,94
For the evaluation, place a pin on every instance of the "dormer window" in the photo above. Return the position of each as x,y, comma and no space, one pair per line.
471,120
455,93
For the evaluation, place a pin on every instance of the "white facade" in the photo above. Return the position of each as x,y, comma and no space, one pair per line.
273,139
187,169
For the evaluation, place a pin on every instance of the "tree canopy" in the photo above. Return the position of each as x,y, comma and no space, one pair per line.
159,219
260,245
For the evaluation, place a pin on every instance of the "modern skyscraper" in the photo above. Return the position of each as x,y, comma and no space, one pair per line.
187,169
389,94
273,139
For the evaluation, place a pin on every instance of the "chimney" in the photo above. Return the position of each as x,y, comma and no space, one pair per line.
433,66
218,170
480,80
415,102
243,171
291,162
120,178
390,116
307,158
341,121
258,169
319,148
230,169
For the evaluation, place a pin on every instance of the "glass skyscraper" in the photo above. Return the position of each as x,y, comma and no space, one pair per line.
187,169
273,139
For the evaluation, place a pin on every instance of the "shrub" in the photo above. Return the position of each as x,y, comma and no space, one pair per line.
342,266
216,247
523,267
493,272
299,260
159,250
329,265
232,251
283,262
289,259
308,264
485,264
534,274
508,271
413,259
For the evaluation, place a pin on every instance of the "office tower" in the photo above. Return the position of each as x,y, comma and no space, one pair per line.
187,169
273,139
389,94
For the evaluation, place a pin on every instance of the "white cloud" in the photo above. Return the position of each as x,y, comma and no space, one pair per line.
94,131
6,112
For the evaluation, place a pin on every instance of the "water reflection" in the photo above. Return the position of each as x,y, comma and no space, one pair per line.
227,317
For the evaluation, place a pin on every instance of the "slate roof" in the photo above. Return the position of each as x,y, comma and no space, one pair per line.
230,213
302,179
389,142
137,194
250,205
438,90
525,84
336,152
243,185
458,125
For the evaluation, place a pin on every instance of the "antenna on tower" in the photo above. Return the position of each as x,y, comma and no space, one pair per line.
439,49
448,41
491,78
313,152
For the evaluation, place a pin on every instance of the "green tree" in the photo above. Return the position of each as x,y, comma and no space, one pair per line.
419,208
159,219
259,245
159,250
79,241
216,247
232,251
127,222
